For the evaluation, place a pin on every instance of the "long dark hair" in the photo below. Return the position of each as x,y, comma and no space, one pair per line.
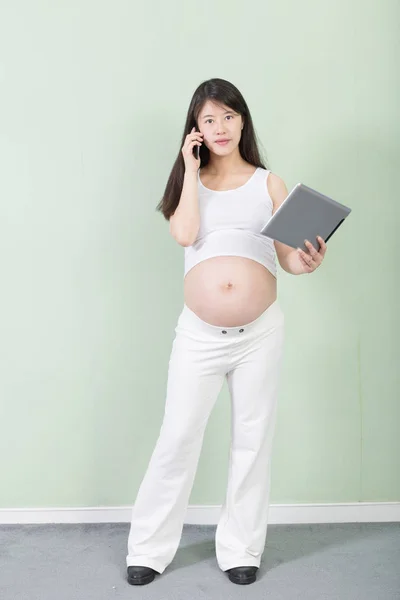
221,92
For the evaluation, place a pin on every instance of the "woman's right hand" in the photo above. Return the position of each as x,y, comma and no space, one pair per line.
194,138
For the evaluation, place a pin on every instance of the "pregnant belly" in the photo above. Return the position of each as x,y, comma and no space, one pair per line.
228,291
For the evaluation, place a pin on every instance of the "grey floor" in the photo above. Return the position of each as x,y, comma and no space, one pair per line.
309,562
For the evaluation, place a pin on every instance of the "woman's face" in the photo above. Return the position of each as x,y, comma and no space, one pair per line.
218,123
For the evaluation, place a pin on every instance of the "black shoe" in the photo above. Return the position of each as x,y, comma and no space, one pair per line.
242,575
141,575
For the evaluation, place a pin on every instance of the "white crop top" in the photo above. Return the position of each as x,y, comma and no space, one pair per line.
231,221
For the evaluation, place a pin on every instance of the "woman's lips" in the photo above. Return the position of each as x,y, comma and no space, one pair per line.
222,143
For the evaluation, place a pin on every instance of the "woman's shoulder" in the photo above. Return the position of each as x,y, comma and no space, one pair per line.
276,188
273,178
273,181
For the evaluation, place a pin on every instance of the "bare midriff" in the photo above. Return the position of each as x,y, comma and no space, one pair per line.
229,291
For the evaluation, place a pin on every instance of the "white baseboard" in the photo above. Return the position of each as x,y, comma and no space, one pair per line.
279,514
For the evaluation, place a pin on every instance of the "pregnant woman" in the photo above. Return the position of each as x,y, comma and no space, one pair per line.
231,326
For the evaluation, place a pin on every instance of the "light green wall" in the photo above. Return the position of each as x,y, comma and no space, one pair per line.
93,99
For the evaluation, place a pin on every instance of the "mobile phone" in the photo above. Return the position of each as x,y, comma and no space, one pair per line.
196,149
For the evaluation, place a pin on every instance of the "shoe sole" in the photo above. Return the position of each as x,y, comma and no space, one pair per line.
141,580
241,581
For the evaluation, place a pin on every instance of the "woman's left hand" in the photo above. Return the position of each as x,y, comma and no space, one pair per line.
307,263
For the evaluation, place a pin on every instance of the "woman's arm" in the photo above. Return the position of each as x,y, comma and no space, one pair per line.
185,222
278,193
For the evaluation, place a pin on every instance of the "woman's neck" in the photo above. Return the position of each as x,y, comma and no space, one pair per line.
221,166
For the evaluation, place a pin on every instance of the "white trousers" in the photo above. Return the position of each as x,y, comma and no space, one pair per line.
202,356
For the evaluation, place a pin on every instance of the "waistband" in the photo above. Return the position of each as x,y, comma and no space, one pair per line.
270,317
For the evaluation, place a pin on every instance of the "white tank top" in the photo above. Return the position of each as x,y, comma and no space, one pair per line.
231,221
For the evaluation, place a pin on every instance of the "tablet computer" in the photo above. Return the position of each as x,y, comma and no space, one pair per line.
303,215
